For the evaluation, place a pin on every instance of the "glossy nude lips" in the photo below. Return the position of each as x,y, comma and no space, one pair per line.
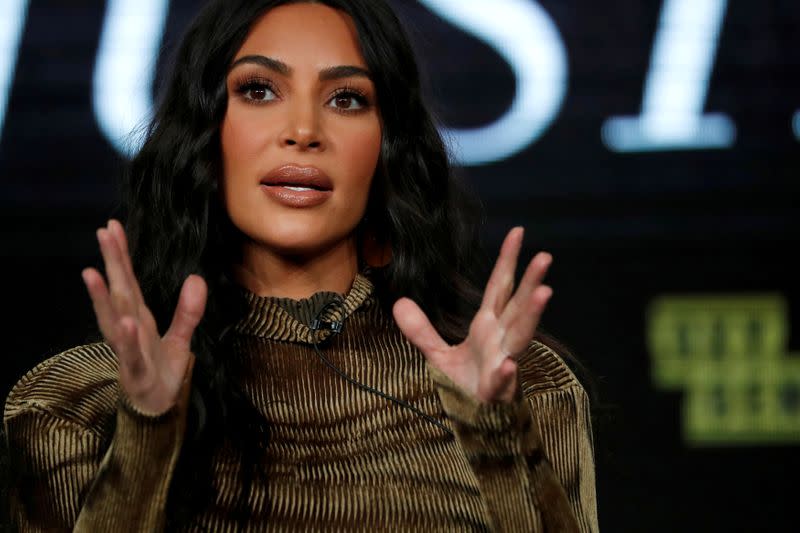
296,186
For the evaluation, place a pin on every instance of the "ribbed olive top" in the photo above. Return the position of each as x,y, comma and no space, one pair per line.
338,458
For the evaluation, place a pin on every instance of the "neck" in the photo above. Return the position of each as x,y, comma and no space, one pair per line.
266,272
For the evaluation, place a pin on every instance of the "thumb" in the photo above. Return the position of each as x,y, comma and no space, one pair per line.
186,386
189,311
417,328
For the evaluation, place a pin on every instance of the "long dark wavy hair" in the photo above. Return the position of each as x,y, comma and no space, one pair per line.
177,224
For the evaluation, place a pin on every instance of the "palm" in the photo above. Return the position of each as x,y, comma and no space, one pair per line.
152,368
484,364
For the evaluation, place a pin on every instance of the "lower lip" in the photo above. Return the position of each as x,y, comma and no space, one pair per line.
290,198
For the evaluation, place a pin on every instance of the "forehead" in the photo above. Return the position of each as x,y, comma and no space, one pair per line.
305,34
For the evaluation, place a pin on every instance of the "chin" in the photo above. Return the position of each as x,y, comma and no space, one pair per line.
302,242
294,233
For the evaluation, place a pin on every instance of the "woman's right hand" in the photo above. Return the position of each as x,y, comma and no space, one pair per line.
152,368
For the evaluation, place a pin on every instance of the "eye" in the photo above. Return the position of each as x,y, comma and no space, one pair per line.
348,100
257,91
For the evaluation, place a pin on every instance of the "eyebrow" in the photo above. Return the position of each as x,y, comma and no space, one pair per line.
329,73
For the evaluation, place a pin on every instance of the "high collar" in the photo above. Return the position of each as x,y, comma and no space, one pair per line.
269,317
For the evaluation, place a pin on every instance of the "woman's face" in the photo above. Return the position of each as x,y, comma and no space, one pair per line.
301,135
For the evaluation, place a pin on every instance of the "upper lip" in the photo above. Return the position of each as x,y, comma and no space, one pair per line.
298,176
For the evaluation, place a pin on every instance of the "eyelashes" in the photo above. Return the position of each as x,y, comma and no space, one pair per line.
353,94
256,90
261,91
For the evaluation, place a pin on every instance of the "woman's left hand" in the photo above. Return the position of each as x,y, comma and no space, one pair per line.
484,364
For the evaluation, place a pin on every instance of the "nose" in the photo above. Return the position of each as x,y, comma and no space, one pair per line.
302,130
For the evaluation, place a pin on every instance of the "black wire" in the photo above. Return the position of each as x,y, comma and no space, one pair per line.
336,326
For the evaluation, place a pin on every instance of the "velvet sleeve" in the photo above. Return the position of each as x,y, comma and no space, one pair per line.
532,457
71,476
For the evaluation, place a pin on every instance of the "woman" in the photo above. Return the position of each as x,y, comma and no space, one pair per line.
326,363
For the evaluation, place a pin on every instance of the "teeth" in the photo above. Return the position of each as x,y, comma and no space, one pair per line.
298,189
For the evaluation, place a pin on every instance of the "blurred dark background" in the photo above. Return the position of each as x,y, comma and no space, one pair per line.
652,221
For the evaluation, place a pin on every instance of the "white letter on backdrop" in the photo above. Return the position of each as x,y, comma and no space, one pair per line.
526,37
125,68
12,20
677,85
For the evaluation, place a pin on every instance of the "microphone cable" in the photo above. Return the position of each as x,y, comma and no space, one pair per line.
337,327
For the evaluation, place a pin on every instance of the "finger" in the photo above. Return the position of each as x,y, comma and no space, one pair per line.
101,301
146,320
532,278
188,312
507,383
520,332
186,385
501,282
121,297
132,365
535,272
500,384
415,325
118,232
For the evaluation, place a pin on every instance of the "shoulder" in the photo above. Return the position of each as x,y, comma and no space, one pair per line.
78,386
543,370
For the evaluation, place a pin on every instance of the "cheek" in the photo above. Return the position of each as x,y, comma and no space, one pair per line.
363,147
367,146
241,141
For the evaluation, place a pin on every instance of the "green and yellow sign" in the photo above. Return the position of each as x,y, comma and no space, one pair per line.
729,354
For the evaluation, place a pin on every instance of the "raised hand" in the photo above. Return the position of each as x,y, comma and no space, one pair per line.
152,368
484,364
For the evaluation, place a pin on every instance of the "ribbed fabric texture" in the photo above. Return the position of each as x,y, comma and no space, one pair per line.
338,459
